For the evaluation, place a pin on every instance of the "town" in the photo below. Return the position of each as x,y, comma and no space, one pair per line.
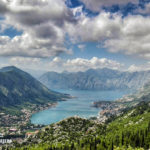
17,128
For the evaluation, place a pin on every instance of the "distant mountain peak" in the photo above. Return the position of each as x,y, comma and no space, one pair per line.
96,79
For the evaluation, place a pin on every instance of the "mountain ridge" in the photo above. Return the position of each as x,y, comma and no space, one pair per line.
96,79
18,87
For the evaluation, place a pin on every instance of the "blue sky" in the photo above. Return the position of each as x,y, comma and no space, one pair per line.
75,35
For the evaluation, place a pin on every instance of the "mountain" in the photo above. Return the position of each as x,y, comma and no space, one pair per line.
110,108
18,87
96,79
129,129
141,95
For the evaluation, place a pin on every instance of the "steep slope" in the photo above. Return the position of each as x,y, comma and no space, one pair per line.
100,79
111,108
141,95
18,87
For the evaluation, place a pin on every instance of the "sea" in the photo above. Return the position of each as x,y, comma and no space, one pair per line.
80,105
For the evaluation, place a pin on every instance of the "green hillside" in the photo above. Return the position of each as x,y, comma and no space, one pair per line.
131,129
18,88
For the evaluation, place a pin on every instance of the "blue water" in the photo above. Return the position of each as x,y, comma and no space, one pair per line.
81,106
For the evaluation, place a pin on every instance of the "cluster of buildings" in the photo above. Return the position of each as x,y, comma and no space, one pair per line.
18,127
108,109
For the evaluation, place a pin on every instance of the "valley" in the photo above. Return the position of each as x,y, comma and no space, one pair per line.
74,74
76,117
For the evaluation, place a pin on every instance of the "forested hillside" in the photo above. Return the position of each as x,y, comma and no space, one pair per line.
18,88
131,129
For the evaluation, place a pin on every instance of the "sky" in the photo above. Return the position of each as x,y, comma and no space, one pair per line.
75,35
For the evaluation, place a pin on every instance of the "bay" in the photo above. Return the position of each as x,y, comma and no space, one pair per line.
80,106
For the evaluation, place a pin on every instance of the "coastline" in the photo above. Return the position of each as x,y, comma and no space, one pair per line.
43,107
109,109
38,108
21,124
18,127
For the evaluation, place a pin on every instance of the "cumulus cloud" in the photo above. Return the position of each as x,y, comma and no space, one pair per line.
129,35
95,29
145,10
23,63
3,7
133,38
143,67
27,46
59,65
80,64
42,24
45,24
96,5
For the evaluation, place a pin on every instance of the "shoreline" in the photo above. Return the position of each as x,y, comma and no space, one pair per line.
44,107
48,106
22,123
37,108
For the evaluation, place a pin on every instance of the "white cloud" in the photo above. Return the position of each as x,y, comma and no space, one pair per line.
27,46
133,38
143,67
77,11
80,64
145,10
129,35
42,24
45,24
22,62
71,65
96,5
59,65
96,29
